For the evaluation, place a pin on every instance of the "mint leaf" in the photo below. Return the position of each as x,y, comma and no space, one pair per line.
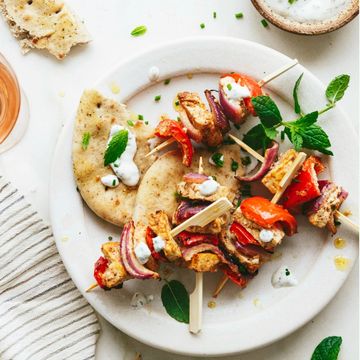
328,349
296,139
256,138
315,138
267,111
271,133
175,299
139,30
305,120
297,107
336,89
85,140
116,147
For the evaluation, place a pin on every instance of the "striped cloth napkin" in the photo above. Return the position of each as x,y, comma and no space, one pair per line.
42,314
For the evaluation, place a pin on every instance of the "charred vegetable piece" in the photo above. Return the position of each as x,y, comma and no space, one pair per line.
266,214
305,186
171,128
236,91
190,239
187,209
237,278
269,158
195,178
99,269
220,120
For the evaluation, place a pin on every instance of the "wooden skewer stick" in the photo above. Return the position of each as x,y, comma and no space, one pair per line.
344,219
91,287
196,297
261,83
284,183
247,148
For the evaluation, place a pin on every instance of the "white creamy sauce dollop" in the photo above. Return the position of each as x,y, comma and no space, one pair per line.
234,91
208,187
110,181
124,167
283,277
159,243
266,235
142,253
308,10
154,73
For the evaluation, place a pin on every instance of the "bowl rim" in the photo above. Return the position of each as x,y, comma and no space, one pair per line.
307,28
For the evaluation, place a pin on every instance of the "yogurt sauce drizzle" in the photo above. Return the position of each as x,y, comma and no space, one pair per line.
110,181
142,253
283,277
208,187
159,243
308,10
234,91
124,166
154,73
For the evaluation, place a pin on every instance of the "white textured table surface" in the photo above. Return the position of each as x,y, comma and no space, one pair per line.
53,89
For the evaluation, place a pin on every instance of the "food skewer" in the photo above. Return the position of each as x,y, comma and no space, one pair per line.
196,297
285,182
261,83
202,218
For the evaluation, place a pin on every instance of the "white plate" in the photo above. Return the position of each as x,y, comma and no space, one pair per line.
242,320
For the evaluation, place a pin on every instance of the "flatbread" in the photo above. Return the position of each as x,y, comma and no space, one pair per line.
96,115
158,187
44,24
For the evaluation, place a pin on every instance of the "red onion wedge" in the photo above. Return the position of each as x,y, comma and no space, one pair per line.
131,263
220,120
270,156
195,178
187,209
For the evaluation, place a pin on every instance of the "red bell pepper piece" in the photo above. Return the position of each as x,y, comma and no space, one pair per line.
149,241
99,269
242,235
189,239
236,278
305,186
171,128
252,85
266,214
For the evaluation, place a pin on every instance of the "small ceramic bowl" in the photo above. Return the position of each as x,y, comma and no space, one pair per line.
307,28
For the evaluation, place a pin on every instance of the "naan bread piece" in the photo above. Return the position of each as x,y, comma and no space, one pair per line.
157,190
96,115
44,24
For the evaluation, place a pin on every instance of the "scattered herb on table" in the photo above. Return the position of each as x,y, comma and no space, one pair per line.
303,132
264,23
85,140
116,147
292,2
202,26
157,98
234,165
214,14
140,117
175,299
239,15
167,81
139,30
328,349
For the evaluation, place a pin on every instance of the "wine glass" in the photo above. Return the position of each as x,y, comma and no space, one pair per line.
14,108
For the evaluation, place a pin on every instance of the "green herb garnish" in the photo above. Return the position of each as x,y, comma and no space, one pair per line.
229,86
139,30
202,26
246,160
110,238
177,103
146,123
291,1
116,147
130,123
167,81
239,15
218,159
297,107
287,272
328,349
214,14
157,98
264,23
113,182
234,165
140,117
85,140
175,299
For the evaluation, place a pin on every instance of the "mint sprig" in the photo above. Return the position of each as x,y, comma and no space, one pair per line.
328,349
175,299
303,132
116,147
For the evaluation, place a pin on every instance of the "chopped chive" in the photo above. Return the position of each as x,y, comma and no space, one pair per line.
234,165
110,238
202,26
130,123
229,86
113,182
146,123
167,81
264,23
140,117
287,272
239,15
157,98
177,103
282,135
214,14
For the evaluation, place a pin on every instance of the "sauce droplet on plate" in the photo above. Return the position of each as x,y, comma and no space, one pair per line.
339,243
341,263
